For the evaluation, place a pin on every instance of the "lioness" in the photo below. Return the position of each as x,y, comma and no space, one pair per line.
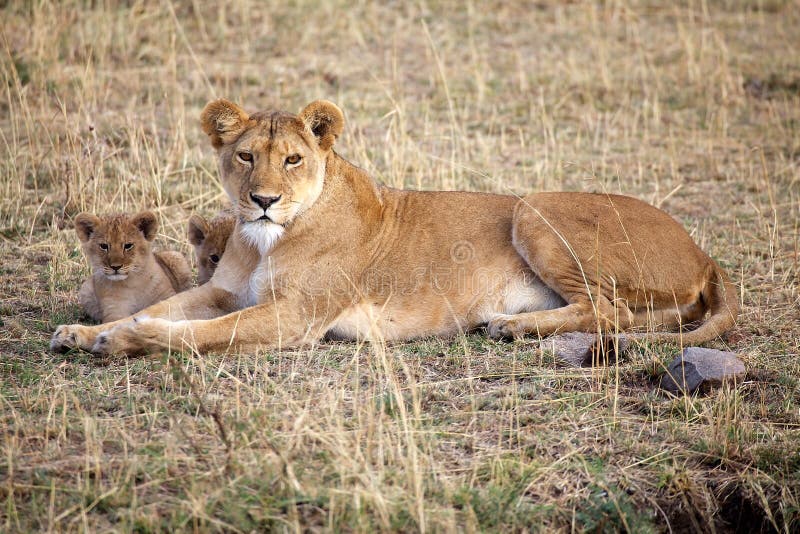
320,248
209,239
127,276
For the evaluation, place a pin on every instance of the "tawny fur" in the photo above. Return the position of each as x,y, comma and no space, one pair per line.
320,248
127,276
209,238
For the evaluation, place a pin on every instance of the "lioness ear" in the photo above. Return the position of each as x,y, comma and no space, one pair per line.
223,121
325,120
85,225
198,228
147,223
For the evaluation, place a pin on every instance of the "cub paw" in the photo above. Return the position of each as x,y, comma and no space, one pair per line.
68,337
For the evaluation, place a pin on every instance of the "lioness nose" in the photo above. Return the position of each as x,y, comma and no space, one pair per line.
116,267
264,202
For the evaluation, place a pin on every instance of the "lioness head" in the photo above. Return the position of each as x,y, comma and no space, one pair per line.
272,163
209,238
116,245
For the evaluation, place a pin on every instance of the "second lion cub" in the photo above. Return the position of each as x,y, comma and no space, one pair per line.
127,276
209,238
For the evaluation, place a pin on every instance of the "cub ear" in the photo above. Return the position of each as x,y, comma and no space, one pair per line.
85,225
198,229
147,223
325,120
223,121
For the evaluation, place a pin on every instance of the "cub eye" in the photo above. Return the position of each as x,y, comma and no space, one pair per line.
128,246
214,258
294,159
247,157
103,246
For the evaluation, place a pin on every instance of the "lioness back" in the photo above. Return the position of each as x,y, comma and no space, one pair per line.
127,276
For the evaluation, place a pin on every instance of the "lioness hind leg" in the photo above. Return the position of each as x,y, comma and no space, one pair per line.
581,315
569,243
571,317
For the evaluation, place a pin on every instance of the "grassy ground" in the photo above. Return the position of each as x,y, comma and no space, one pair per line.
694,107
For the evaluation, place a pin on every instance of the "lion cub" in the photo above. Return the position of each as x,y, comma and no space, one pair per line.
209,238
127,276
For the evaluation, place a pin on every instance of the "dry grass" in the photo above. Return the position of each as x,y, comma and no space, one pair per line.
695,107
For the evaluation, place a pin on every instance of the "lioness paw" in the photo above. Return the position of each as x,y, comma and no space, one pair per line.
68,337
119,340
139,336
505,327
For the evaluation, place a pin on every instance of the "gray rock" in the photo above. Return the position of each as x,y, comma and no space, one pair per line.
701,369
581,349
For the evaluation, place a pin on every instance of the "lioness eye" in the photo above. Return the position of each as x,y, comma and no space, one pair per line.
245,156
103,246
214,258
294,159
128,246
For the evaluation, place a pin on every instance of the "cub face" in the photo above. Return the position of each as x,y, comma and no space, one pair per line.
116,245
272,163
209,238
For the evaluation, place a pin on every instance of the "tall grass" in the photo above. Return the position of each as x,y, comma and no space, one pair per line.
693,106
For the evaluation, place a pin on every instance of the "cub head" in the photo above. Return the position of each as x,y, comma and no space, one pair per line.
116,245
272,163
209,238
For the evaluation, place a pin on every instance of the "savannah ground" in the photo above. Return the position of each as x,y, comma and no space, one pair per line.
693,107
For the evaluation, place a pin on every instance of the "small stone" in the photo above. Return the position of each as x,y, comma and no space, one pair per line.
581,349
701,369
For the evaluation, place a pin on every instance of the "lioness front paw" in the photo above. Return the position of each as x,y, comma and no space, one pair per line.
73,336
136,337
119,340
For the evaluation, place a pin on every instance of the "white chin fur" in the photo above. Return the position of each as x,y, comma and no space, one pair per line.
261,234
116,277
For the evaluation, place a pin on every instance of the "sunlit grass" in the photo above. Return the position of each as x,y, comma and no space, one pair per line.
693,107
